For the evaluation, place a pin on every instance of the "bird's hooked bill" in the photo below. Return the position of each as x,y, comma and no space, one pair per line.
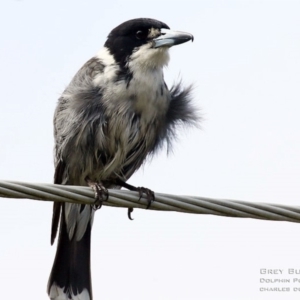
170,38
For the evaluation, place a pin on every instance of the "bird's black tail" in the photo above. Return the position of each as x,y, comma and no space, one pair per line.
70,277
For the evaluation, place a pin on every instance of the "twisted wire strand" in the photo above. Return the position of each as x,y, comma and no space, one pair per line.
164,202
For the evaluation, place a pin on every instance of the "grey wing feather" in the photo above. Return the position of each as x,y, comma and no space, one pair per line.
75,130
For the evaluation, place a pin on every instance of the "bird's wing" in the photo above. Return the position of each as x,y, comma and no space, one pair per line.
70,126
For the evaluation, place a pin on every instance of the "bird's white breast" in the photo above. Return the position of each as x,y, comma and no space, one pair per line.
145,93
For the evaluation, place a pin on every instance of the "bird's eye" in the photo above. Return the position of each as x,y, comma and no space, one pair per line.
140,35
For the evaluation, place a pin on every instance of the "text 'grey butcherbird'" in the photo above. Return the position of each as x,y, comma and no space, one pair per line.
116,111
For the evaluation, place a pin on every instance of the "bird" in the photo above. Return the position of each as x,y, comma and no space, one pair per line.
116,112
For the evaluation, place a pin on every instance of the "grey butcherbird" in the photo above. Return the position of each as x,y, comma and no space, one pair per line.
116,111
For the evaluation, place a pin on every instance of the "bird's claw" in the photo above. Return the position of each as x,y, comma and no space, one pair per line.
149,194
101,194
130,210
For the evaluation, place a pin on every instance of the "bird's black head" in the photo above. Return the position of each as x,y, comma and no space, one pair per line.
131,35
143,38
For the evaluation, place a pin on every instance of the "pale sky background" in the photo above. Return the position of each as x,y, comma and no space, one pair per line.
245,63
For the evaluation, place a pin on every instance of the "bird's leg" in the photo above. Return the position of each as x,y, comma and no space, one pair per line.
101,193
150,196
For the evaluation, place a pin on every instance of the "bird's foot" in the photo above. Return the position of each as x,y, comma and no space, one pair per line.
149,195
101,193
